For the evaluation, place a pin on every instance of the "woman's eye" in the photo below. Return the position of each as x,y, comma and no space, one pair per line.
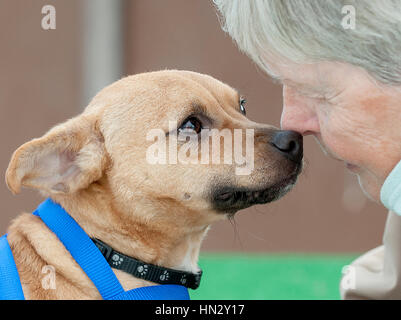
242,103
192,124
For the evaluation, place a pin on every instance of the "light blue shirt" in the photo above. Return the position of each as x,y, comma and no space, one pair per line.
390,193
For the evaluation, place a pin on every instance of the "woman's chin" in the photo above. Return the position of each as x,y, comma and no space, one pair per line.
370,189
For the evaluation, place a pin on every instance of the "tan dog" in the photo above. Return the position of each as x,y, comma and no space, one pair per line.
95,166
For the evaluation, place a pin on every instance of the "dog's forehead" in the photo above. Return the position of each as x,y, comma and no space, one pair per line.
164,88
211,84
194,85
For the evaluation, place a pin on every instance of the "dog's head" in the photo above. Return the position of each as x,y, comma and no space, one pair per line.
173,140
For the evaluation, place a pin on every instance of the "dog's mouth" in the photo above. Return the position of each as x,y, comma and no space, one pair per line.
232,199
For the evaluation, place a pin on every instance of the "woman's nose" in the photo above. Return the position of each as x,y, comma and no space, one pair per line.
298,114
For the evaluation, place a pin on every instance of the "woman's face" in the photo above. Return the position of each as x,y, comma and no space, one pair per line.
355,120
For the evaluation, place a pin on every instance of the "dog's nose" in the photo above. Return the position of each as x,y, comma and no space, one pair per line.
289,144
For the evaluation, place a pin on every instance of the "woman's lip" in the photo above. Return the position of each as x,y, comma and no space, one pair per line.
351,166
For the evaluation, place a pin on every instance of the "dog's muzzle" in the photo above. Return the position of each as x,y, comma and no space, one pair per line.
231,199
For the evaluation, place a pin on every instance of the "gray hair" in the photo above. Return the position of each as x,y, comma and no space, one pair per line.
305,31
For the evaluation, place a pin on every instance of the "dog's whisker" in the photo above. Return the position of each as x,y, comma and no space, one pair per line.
305,168
258,211
257,237
236,231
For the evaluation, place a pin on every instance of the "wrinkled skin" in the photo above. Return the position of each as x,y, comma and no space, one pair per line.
354,118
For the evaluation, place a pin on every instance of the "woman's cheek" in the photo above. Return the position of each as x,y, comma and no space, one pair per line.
339,137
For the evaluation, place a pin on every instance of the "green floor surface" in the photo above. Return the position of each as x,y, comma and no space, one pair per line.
270,276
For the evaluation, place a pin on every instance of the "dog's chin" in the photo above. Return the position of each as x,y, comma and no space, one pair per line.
232,199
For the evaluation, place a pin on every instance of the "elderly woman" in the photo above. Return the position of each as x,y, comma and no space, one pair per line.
340,66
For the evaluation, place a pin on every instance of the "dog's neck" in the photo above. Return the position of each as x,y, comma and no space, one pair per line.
141,236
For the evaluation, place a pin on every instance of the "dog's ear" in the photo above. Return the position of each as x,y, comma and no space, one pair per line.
66,159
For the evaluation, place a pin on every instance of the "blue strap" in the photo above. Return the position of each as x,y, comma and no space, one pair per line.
10,284
90,259
81,248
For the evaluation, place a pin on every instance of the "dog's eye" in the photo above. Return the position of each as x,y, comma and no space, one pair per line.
192,124
242,103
